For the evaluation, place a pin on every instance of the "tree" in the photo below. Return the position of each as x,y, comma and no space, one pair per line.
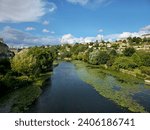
129,51
98,57
44,58
103,57
33,61
136,58
145,58
113,52
93,57
124,63
24,63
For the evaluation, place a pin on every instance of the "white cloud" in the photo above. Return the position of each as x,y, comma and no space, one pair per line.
90,3
100,30
51,7
146,28
123,35
24,10
29,28
45,22
18,38
45,30
69,38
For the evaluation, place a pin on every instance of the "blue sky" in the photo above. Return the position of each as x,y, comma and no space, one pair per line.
38,22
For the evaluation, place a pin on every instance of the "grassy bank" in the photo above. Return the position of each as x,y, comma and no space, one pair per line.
104,81
20,99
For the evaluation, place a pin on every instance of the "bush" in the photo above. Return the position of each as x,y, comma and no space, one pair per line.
124,63
103,57
145,70
113,52
24,63
11,82
93,57
136,58
98,57
32,61
145,58
129,51
110,62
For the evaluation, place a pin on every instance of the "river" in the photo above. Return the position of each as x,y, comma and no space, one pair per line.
66,92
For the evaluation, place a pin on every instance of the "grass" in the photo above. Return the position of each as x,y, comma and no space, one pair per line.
103,80
21,99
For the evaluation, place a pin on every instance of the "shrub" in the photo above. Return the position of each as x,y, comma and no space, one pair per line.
145,70
124,63
129,51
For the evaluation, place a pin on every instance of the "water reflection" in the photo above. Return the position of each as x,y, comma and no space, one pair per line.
66,92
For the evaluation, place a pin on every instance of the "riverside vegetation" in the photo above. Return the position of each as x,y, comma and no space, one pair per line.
22,76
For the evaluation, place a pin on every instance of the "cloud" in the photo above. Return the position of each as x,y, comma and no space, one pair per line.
45,22
51,7
69,38
17,38
91,3
123,35
45,30
100,30
146,28
29,28
24,10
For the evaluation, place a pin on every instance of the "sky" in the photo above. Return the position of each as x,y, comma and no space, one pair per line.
50,22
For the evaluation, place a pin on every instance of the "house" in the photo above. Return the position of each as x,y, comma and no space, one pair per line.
145,36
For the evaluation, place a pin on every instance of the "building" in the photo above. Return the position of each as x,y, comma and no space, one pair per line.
145,36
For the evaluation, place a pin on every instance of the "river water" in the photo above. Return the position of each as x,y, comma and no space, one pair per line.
66,92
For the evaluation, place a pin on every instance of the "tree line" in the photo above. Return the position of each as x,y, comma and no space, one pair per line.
25,67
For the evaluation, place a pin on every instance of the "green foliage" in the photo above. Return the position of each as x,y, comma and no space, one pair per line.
44,58
25,98
134,40
145,58
124,63
136,58
110,62
98,57
11,82
145,70
24,63
93,57
78,48
113,53
4,66
129,51
103,57
33,61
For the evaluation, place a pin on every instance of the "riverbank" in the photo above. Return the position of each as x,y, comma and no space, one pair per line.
116,86
20,99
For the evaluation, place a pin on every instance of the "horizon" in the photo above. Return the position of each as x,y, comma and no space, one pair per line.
52,22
